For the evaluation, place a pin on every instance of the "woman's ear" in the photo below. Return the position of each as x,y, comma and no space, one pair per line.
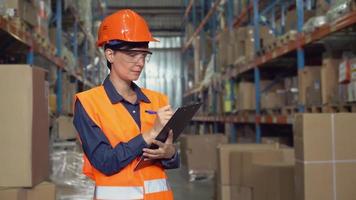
109,54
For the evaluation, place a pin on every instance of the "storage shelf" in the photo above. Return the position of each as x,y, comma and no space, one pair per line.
45,50
302,39
247,118
189,8
201,25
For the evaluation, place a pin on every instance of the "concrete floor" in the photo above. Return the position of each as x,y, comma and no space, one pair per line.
185,190
178,179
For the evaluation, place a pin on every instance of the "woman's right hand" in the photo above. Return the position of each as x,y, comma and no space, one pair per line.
162,117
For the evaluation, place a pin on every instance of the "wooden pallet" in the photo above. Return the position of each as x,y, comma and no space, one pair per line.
314,109
290,36
339,108
272,111
289,110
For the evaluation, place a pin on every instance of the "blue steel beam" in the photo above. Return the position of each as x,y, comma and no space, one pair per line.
194,14
30,56
256,32
230,14
300,50
59,53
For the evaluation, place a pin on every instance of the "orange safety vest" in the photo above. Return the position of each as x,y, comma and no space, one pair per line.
118,126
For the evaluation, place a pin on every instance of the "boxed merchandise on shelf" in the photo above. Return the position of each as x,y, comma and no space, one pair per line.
273,94
24,137
292,19
329,80
309,85
22,9
291,88
245,98
325,169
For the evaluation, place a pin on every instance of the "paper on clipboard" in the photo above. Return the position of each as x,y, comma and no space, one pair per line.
177,123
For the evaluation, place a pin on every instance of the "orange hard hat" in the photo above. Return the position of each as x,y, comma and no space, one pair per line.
125,25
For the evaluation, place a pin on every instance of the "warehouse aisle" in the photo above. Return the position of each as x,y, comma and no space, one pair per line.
185,190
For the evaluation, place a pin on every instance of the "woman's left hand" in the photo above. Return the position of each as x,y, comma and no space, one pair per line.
165,150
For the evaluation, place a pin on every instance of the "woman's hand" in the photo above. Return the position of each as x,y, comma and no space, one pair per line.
165,150
163,116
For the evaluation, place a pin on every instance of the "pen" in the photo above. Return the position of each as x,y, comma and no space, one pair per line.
151,112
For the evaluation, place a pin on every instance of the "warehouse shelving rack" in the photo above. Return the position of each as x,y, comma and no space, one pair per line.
262,58
52,52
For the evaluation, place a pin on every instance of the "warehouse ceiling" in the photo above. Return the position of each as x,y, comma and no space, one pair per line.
165,17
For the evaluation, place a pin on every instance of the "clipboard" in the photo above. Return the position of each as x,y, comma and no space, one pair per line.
177,123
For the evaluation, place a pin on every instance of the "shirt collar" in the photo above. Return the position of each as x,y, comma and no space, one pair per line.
115,97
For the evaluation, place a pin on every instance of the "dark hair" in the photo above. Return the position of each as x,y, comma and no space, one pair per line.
123,45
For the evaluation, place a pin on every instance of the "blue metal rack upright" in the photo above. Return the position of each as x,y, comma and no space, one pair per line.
300,50
59,53
256,31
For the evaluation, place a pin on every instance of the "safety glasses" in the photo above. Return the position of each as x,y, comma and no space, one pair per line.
134,56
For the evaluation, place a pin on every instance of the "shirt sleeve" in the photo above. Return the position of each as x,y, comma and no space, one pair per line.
172,163
107,159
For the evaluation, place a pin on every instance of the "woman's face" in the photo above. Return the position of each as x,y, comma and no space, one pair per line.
128,64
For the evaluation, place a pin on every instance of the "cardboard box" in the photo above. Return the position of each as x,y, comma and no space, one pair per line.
198,152
329,80
66,129
309,77
224,151
12,194
325,167
271,100
45,191
241,193
275,181
23,9
242,170
246,96
24,136
291,22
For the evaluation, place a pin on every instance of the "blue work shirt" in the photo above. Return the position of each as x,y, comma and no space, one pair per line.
96,146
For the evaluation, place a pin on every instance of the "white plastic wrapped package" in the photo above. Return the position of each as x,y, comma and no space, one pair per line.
340,8
314,23
67,175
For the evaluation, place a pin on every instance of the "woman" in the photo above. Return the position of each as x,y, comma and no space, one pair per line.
117,121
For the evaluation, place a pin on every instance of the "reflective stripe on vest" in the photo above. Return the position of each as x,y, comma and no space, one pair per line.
116,193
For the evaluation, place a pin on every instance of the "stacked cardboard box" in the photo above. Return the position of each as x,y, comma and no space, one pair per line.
309,86
44,190
329,80
24,137
65,128
194,148
272,95
246,96
34,13
291,88
224,188
68,91
325,153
